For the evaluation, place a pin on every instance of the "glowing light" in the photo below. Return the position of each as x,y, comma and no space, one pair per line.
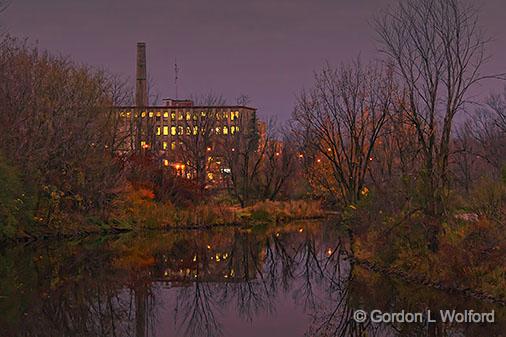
319,161
208,246
277,153
195,258
208,148
329,251
301,230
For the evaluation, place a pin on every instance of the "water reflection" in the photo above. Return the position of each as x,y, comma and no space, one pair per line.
285,281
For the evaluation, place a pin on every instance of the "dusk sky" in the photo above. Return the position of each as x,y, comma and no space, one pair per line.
267,49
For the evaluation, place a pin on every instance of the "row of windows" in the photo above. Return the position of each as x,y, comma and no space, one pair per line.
233,115
180,130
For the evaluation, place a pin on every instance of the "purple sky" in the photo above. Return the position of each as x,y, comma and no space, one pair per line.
266,49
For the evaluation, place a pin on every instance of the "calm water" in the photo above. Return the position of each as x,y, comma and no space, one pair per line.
289,281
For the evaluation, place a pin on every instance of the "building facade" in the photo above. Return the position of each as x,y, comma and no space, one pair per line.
191,139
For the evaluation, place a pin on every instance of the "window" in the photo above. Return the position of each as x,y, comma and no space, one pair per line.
234,115
151,114
173,116
232,129
195,130
165,162
173,130
158,131
225,130
165,130
173,145
166,114
188,131
143,114
164,145
180,130
188,115
218,130
180,116
158,114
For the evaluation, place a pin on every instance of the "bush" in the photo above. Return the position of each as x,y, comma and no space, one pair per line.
14,208
488,199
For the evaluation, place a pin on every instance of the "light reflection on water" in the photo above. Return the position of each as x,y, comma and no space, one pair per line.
287,281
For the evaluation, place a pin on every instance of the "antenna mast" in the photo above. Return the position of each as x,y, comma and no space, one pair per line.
176,76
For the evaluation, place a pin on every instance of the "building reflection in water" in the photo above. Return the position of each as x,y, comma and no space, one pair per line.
203,283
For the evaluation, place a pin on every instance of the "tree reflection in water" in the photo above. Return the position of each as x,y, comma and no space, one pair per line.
135,285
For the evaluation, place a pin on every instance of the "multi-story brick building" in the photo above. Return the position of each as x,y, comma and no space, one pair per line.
187,137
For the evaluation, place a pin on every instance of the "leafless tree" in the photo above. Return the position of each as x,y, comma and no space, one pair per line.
438,50
278,165
196,137
338,122
243,158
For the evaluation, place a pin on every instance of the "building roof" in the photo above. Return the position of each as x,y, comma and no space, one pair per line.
164,107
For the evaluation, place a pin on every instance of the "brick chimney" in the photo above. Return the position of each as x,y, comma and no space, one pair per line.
141,86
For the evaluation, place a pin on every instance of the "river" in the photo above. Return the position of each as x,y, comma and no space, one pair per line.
283,281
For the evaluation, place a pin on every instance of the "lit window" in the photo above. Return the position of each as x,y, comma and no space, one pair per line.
166,114
165,145
237,129
195,116
195,130
188,115
165,130
226,114
173,145
203,113
225,130
173,130
173,116
165,162
188,131
158,131
158,114
232,129
151,114
143,114
218,130
180,130
180,116
143,144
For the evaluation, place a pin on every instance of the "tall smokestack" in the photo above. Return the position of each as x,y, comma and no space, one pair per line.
141,87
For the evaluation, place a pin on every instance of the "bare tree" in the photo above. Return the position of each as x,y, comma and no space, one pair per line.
278,165
196,137
338,122
438,52
243,160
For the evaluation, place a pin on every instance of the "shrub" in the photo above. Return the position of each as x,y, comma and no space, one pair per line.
13,200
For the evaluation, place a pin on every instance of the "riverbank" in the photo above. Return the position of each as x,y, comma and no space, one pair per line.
151,215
